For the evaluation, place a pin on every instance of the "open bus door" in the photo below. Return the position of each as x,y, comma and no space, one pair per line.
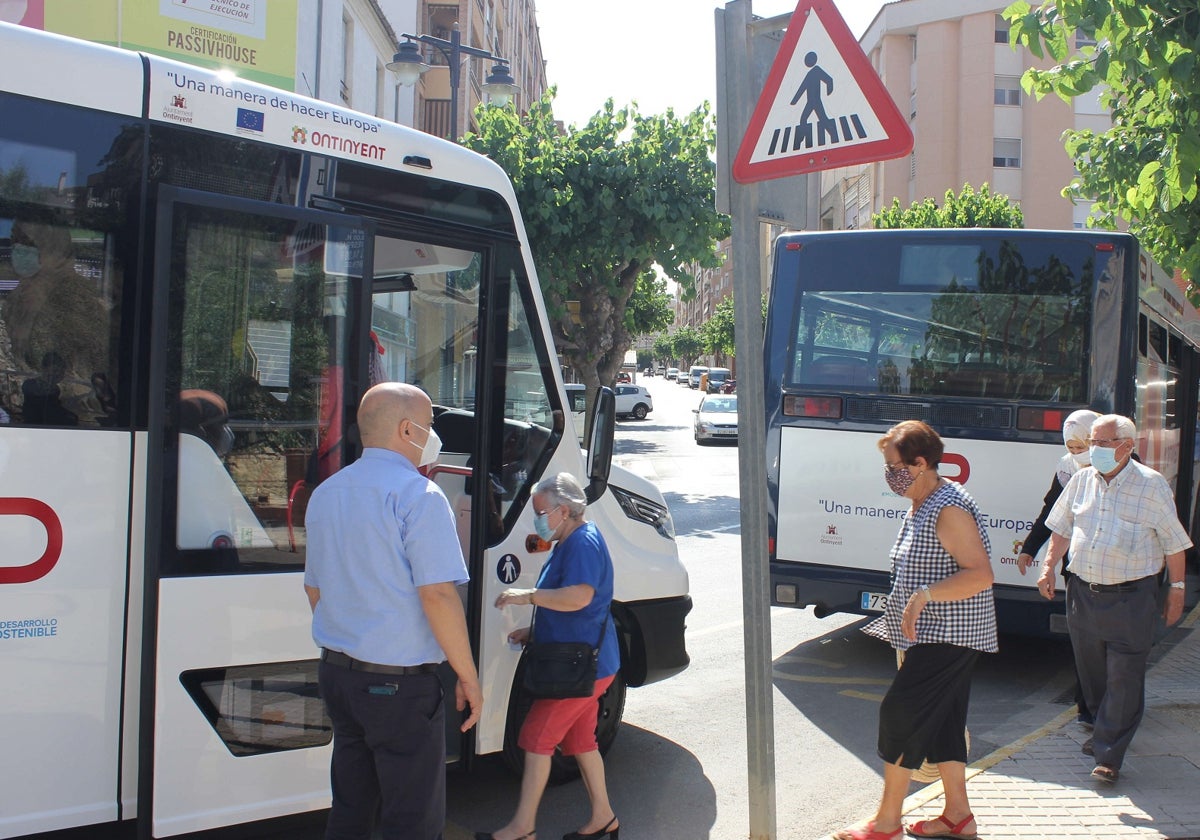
256,308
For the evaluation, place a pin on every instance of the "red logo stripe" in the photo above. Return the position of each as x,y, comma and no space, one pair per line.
44,514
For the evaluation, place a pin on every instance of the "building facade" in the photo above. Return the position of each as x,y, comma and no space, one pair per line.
504,28
949,67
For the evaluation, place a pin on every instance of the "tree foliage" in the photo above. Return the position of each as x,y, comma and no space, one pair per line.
718,332
687,344
603,204
1144,168
966,210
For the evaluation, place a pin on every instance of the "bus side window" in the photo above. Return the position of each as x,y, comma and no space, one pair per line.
61,325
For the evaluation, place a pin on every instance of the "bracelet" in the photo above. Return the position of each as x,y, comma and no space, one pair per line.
532,592
928,594
1178,584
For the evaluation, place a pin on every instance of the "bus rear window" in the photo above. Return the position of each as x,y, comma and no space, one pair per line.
958,342
940,265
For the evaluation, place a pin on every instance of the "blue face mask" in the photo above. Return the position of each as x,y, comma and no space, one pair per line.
541,524
1104,459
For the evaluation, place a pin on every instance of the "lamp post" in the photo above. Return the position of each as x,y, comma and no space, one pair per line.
408,66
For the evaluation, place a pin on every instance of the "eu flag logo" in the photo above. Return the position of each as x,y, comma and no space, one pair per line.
249,120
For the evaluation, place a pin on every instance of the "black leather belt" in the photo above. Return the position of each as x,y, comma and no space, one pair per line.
336,657
1126,586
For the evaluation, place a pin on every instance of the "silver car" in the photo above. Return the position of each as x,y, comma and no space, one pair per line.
716,418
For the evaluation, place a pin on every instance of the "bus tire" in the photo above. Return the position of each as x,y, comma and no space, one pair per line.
563,769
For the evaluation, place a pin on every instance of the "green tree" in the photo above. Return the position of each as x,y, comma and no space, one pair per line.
967,209
664,348
687,344
649,307
718,331
603,204
1144,168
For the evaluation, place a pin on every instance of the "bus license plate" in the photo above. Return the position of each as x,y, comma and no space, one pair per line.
874,601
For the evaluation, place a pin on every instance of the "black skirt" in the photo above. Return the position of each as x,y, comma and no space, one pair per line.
924,714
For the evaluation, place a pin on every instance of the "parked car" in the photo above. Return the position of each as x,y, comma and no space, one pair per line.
716,378
623,376
716,418
673,374
694,374
633,401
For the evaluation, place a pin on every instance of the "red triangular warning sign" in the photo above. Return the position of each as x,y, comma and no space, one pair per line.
823,104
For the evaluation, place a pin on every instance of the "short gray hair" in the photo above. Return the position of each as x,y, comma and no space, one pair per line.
563,489
1126,430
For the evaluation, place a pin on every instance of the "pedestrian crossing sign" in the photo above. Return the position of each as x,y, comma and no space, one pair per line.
823,105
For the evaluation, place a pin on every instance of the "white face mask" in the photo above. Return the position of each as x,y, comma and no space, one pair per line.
432,448
1083,458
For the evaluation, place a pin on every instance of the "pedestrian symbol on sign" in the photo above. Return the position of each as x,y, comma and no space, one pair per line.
829,109
508,569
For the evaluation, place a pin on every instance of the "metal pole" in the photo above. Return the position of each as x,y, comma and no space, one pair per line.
734,35
455,60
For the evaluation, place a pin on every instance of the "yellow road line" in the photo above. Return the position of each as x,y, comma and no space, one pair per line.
832,680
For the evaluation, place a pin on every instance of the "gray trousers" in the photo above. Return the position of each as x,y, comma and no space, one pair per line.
1111,633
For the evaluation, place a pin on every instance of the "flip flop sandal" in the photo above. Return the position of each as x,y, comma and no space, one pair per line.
931,828
1106,774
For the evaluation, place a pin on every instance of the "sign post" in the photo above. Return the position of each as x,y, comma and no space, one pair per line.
822,106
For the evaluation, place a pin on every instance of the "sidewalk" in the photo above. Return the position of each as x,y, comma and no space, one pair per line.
1041,786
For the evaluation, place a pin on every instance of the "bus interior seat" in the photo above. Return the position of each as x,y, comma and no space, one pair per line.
839,370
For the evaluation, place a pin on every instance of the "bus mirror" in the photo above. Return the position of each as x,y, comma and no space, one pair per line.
600,443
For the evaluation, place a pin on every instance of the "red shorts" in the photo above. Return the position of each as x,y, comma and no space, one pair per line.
570,722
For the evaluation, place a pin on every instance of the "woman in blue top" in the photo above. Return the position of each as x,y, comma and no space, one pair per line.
573,597
941,615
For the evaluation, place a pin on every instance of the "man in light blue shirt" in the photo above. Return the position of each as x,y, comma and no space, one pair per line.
381,575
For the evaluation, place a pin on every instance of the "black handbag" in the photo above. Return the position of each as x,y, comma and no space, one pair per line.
558,670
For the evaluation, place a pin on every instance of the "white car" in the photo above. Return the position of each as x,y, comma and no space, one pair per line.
673,374
633,401
716,418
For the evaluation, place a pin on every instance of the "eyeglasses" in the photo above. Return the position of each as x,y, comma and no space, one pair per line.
1107,443
545,512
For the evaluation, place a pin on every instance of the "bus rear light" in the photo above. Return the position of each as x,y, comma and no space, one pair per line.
786,593
792,246
1040,419
1105,246
828,408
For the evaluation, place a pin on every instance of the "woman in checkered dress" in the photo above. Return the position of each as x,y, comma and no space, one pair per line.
941,615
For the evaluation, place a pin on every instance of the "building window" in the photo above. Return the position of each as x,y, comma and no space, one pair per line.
1008,90
1001,30
1006,153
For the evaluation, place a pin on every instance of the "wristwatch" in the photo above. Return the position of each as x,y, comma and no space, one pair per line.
1178,584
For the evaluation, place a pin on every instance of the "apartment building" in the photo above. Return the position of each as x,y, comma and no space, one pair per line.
504,28
949,66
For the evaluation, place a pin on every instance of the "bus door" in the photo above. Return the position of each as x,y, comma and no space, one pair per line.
453,314
256,307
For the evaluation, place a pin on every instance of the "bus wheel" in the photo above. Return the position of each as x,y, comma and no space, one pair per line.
563,768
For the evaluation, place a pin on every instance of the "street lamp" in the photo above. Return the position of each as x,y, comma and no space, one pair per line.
408,65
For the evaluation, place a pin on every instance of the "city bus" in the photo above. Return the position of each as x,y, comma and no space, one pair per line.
992,337
199,278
